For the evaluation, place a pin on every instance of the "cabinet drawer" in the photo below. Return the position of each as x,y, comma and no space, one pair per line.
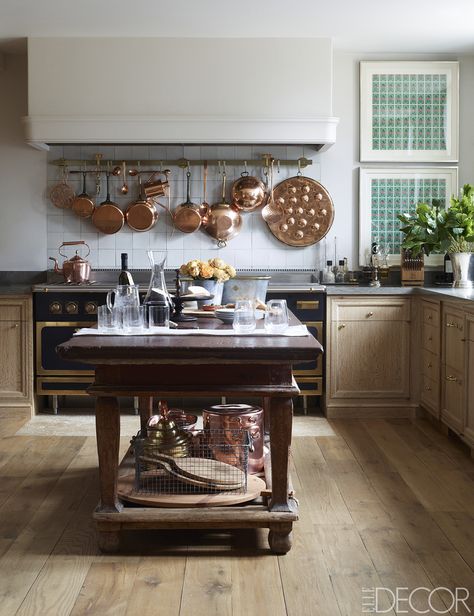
430,314
360,310
310,386
430,393
430,337
430,365
13,312
306,306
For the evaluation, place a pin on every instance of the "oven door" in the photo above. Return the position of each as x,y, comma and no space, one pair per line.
49,334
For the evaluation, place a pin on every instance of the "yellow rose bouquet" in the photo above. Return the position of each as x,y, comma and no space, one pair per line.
214,269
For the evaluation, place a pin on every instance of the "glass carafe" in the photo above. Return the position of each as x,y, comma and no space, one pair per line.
157,292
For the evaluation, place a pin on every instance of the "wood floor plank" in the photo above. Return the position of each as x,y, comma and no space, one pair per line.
22,562
337,454
306,583
157,586
453,448
256,586
106,589
459,528
427,487
59,582
350,567
207,588
365,449
325,504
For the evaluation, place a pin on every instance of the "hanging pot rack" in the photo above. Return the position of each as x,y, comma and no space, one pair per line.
185,163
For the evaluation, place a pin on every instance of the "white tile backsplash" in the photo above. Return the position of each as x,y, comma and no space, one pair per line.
254,248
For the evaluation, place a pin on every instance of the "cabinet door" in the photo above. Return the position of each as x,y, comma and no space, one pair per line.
453,400
453,326
469,417
370,359
12,377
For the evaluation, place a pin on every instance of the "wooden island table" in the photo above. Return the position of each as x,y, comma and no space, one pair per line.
193,366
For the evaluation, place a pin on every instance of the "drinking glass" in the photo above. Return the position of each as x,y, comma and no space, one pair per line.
132,318
158,316
244,316
105,320
276,316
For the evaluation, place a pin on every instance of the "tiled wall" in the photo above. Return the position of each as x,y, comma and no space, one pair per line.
254,248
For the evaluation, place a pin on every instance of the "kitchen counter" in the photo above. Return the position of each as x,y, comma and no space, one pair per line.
15,289
440,292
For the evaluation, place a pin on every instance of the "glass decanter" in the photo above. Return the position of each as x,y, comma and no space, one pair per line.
157,292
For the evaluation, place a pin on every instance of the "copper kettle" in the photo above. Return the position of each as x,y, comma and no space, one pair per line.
75,270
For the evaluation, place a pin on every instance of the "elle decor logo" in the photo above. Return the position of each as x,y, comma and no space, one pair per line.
421,600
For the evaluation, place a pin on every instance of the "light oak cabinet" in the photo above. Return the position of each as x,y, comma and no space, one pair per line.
453,367
469,415
16,362
368,356
430,366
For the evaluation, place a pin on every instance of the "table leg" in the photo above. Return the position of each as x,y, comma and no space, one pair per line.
107,423
145,405
281,411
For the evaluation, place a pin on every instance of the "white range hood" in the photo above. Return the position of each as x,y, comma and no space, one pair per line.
180,91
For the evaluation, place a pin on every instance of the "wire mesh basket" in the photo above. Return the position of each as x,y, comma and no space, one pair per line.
217,463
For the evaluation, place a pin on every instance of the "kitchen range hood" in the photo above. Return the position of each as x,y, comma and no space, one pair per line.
180,90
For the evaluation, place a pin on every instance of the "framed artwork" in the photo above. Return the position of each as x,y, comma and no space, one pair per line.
386,192
409,112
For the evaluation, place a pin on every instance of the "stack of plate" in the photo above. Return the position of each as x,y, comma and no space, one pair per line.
226,315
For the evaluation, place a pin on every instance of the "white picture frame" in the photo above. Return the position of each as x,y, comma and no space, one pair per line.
379,203
409,112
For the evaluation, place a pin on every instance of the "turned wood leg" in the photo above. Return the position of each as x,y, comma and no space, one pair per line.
281,410
145,405
107,423
280,537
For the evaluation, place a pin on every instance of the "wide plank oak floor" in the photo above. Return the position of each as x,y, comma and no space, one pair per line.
382,503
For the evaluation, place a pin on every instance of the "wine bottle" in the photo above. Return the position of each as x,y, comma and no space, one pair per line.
448,268
125,276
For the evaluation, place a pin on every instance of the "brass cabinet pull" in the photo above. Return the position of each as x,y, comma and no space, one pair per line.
341,326
450,377
430,317
370,314
428,388
16,325
430,365
450,324
307,305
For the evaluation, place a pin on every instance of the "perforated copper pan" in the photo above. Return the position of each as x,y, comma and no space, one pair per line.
108,217
308,211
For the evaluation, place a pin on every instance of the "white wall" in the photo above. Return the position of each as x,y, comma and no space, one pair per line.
22,177
340,164
23,231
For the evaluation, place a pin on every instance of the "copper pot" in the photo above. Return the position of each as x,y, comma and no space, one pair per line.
75,270
141,214
223,220
232,417
156,188
248,192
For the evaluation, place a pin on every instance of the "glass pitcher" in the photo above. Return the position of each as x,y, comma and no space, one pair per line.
157,292
125,295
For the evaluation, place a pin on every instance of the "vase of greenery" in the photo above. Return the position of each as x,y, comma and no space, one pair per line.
431,228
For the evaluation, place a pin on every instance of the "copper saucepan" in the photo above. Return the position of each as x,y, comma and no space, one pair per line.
83,206
108,217
187,216
223,220
141,214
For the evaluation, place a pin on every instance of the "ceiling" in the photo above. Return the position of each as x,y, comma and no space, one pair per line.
422,26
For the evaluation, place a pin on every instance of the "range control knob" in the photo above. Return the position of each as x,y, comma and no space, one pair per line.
55,308
72,307
91,307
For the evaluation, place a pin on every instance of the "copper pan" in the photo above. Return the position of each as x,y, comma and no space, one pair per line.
223,220
108,217
248,192
83,206
141,215
187,216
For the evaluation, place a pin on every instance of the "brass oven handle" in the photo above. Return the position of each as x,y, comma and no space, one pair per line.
307,305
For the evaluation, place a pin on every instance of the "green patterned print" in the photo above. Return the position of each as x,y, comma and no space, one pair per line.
409,112
390,197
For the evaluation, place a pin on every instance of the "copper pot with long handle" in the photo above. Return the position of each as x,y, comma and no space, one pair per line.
187,216
83,206
224,220
108,217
